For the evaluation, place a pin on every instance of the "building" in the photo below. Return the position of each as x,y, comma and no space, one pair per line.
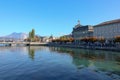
67,36
80,31
47,38
108,29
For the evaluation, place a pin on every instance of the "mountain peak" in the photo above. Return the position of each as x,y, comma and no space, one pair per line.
16,36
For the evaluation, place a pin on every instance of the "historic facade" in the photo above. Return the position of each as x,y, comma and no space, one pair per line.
80,31
108,30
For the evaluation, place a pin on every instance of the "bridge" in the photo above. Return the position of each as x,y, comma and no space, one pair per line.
24,43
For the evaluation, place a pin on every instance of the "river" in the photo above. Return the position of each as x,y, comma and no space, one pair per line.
58,63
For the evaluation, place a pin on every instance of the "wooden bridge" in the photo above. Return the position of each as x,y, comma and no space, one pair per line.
24,43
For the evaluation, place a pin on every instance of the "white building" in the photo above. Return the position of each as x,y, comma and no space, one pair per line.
107,30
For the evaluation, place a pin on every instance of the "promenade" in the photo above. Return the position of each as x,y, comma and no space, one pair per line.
24,43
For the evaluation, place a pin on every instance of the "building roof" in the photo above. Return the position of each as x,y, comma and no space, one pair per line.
108,22
81,28
78,25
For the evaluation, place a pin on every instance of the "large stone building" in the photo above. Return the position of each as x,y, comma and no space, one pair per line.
108,29
80,31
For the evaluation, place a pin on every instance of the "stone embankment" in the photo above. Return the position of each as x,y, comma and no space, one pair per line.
93,47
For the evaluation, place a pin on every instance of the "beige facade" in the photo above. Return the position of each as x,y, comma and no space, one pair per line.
108,29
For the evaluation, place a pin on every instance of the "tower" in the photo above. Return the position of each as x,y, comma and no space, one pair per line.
78,21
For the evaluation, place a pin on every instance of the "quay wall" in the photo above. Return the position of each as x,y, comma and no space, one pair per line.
108,48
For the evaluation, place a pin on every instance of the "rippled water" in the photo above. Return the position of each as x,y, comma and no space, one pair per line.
52,63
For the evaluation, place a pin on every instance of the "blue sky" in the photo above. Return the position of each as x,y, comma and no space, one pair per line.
56,17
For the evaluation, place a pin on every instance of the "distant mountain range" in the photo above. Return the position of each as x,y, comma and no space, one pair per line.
15,36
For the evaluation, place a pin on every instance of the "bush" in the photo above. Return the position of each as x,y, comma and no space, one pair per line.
89,39
117,39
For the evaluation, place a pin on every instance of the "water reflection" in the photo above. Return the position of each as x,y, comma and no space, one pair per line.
55,63
22,50
94,59
31,52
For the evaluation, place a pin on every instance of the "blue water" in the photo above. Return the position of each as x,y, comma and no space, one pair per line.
53,63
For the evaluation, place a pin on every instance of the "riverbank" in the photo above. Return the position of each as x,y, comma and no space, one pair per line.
86,47
70,45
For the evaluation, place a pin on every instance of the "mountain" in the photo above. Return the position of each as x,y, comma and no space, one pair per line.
15,36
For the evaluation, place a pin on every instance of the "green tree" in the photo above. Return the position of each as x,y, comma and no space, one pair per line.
32,35
29,38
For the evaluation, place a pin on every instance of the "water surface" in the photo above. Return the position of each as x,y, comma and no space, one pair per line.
55,63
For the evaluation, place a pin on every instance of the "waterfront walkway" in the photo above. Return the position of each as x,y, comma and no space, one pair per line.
23,43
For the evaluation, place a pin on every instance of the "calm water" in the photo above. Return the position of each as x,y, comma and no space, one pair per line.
52,63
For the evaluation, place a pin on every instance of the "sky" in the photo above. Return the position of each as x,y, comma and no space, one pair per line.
54,17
